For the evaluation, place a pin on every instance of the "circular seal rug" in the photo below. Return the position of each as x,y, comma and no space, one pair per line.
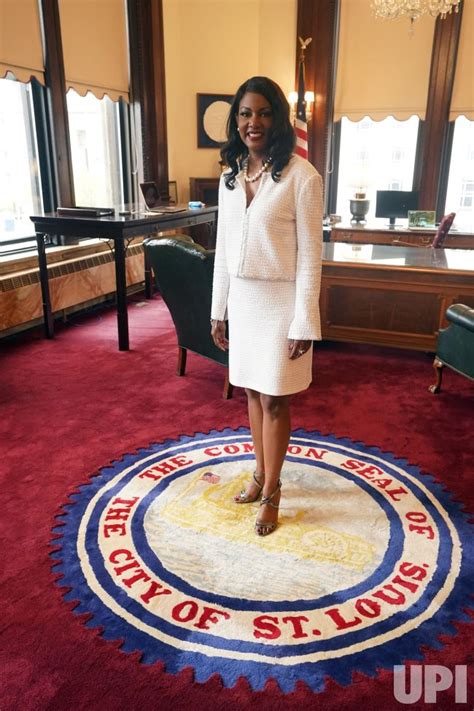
368,563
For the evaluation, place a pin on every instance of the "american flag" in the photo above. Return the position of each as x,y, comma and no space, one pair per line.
211,478
301,127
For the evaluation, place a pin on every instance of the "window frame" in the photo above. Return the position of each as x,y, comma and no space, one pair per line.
333,182
47,166
440,206
111,123
44,185
147,111
446,168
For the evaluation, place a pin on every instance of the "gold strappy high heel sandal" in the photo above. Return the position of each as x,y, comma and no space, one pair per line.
264,528
244,498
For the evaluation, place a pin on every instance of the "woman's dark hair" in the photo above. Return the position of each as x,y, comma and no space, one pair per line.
281,142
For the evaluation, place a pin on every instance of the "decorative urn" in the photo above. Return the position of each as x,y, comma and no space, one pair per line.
359,206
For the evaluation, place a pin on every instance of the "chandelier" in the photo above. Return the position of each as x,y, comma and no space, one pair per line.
413,8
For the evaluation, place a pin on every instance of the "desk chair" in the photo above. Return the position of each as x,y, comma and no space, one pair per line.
438,240
183,273
455,347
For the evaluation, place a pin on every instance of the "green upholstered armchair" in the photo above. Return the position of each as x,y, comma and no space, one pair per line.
455,347
183,273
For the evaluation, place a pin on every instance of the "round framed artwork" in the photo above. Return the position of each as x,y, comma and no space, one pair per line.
212,113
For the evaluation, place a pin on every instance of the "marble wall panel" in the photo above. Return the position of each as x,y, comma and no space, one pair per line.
23,303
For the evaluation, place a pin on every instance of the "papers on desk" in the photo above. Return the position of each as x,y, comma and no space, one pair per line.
353,252
366,253
395,262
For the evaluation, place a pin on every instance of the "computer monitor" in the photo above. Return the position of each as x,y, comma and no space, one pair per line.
395,203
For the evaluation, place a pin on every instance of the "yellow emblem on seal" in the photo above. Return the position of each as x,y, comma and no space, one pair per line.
206,504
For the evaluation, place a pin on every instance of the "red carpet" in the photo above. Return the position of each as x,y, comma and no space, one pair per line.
71,405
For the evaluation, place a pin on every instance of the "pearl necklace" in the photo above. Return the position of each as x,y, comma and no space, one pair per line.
258,174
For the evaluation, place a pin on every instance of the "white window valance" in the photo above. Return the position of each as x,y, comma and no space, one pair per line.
21,48
95,47
381,70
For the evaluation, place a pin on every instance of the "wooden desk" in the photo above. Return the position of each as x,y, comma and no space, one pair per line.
371,234
119,230
393,296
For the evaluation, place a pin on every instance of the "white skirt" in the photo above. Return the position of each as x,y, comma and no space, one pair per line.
260,313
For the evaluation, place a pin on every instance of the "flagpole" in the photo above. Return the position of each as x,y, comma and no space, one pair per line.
300,123
303,45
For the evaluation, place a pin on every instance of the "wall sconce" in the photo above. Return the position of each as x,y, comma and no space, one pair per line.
309,103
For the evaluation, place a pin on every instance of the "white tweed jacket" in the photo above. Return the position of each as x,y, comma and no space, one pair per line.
277,238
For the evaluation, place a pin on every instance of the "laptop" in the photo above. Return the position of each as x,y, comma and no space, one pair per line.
156,202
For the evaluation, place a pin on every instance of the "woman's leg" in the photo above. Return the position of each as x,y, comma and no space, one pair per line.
256,422
275,438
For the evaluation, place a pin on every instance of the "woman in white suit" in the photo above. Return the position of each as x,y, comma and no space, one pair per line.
267,276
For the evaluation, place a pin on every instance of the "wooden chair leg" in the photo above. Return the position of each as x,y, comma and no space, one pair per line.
228,387
438,366
182,353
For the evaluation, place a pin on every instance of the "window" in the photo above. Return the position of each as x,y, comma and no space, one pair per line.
20,188
388,148
460,194
95,148
362,155
467,190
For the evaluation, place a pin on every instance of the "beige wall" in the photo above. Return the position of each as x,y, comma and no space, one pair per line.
212,46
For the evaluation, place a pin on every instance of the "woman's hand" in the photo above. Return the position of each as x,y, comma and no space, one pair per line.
218,334
297,348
